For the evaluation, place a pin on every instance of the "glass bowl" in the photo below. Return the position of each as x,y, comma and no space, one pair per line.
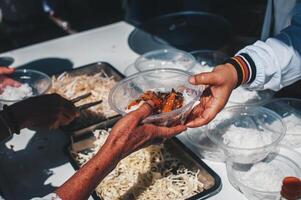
198,138
207,60
263,180
290,111
37,81
165,58
246,134
163,80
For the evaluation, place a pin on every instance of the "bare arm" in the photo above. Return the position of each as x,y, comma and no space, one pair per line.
127,136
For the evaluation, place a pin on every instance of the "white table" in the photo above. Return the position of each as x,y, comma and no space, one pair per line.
110,44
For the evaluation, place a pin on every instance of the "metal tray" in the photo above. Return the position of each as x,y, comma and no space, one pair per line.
211,180
90,69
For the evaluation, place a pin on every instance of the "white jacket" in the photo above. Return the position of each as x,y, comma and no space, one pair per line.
278,59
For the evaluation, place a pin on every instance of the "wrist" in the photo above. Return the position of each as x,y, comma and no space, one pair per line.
244,67
111,151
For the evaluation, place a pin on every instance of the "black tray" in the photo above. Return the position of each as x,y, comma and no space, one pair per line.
177,149
90,69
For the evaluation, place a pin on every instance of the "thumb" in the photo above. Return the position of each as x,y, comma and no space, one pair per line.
135,117
207,78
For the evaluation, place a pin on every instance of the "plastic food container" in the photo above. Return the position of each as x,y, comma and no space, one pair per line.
38,81
290,111
198,138
207,60
244,96
165,58
263,180
162,80
246,134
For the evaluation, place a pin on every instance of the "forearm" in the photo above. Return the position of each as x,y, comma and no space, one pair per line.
85,180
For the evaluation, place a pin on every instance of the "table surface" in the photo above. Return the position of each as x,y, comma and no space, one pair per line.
109,44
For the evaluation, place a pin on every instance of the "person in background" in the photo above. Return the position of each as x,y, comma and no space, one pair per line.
272,64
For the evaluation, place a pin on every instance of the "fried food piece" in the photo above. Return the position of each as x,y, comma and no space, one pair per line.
164,101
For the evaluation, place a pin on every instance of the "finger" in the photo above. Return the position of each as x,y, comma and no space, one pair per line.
165,132
71,109
207,78
7,70
136,116
207,115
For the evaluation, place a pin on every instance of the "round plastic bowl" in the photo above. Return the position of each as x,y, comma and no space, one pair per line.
165,58
246,134
278,165
160,80
290,111
207,60
203,145
38,81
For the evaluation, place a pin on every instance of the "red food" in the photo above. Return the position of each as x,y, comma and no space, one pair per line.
291,188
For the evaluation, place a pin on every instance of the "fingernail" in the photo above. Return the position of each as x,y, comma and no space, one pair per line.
192,79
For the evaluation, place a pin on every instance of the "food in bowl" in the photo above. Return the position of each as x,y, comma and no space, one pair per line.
246,134
16,93
290,111
31,83
163,101
158,80
263,180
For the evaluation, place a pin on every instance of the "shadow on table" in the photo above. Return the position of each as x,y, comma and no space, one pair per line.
49,66
26,173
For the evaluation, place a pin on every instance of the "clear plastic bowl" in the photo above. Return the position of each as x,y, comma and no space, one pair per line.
290,111
244,96
246,134
38,81
284,162
207,60
198,138
165,58
163,80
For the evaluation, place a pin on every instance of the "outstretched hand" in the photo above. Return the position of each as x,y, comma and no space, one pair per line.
221,81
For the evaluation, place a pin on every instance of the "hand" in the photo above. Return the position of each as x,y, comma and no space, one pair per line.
221,81
130,135
46,111
5,80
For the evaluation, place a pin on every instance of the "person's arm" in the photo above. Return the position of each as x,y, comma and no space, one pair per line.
264,65
127,136
275,63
